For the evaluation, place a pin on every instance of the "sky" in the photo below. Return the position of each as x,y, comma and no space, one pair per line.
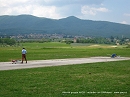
98,10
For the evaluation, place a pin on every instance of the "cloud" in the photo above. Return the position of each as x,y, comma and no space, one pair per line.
127,14
33,7
71,2
49,12
49,8
124,22
87,10
50,2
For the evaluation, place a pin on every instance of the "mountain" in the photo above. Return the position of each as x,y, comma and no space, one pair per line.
24,24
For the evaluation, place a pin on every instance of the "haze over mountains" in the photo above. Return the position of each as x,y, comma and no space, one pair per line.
24,24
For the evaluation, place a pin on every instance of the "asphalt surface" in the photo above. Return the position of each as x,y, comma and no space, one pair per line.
56,62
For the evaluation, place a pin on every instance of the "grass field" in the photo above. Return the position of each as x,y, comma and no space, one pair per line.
84,80
43,51
103,79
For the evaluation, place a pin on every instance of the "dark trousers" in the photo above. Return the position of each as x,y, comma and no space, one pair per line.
24,58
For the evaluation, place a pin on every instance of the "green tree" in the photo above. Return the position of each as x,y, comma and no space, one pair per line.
9,41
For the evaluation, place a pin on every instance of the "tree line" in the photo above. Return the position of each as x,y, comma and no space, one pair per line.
7,41
101,40
95,40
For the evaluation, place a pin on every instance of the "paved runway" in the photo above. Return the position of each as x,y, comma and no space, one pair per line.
57,62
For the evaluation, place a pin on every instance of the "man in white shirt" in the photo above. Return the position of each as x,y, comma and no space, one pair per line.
24,55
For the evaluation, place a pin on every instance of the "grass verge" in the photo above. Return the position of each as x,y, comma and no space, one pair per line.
43,51
109,79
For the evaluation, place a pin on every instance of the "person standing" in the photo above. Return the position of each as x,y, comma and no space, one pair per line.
24,52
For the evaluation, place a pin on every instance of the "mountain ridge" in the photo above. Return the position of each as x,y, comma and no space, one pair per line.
24,24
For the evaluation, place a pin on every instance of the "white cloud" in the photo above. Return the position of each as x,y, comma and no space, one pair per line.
68,2
50,2
49,12
102,9
127,14
92,10
50,8
124,22
32,7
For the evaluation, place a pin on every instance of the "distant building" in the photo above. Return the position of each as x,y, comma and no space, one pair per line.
75,40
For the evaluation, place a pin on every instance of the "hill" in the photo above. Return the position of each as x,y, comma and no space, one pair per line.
24,24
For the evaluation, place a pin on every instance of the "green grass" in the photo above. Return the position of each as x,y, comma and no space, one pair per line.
43,51
68,81
81,80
